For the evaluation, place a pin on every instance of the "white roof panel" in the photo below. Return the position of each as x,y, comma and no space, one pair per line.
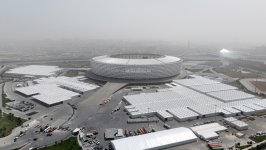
184,102
213,87
164,114
156,140
183,113
230,119
215,127
231,95
38,70
126,61
255,107
239,123
244,109
47,93
208,130
197,80
232,110
68,82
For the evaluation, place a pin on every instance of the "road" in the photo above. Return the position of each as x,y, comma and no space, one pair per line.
60,114
87,107
9,91
90,106
215,74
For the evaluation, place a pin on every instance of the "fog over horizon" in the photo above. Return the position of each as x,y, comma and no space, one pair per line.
201,22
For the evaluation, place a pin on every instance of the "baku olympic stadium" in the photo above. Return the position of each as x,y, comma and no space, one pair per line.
136,66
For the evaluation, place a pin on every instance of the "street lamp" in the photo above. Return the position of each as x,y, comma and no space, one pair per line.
215,111
148,117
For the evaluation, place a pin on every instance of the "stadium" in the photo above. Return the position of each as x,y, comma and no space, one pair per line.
136,66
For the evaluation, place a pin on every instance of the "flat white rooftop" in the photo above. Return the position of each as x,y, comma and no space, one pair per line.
47,93
183,113
196,80
236,123
184,102
156,140
230,119
35,70
208,131
213,87
72,83
231,95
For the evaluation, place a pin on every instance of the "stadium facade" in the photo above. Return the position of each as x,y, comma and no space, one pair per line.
136,66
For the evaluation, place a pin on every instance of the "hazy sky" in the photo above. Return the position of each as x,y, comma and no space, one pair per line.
206,21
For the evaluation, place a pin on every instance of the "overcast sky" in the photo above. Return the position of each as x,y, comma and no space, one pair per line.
200,21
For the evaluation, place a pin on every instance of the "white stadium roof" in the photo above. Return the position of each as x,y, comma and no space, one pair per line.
35,70
149,61
156,140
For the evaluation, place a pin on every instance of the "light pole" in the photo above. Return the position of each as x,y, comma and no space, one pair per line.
215,111
256,82
148,117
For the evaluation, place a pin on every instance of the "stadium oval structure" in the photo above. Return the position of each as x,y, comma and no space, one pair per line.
136,66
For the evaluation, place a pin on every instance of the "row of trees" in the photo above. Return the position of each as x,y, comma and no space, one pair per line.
17,120
10,122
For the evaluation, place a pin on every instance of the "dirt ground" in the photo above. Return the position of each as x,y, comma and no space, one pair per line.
261,85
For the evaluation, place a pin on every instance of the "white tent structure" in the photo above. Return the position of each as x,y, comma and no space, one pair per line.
35,70
53,90
213,87
156,140
208,131
193,98
231,95
71,83
47,93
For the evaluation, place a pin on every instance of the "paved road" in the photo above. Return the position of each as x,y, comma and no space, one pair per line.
3,69
215,74
86,108
90,106
60,115
9,91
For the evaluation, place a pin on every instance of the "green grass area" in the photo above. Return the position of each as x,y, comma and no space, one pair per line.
261,146
258,139
71,64
212,63
72,73
18,148
8,122
4,97
244,146
5,100
260,114
193,70
207,71
70,144
234,72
